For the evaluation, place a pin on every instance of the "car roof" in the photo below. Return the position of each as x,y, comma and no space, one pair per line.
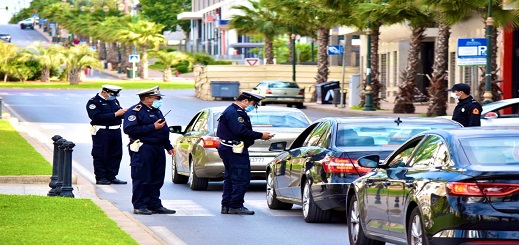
274,81
476,132
403,120
499,103
217,109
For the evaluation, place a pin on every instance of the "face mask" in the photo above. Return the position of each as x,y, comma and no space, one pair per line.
111,98
249,108
453,95
157,104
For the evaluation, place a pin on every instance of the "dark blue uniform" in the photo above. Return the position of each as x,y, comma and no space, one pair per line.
107,146
234,125
149,163
468,112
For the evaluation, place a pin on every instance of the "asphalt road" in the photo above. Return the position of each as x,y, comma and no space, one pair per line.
46,113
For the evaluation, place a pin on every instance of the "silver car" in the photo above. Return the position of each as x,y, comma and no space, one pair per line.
280,92
499,113
196,159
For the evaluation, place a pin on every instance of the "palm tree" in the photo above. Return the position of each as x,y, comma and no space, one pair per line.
9,54
77,58
49,58
258,20
18,67
145,35
169,60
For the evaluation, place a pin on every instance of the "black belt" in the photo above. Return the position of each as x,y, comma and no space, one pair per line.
152,143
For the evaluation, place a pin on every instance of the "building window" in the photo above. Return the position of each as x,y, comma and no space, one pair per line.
383,74
395,68
452,69
470,76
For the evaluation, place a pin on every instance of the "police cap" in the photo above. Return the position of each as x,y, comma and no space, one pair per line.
463,87
112,89
150,92
252,96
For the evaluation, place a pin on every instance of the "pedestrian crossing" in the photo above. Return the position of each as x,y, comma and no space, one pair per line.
190,208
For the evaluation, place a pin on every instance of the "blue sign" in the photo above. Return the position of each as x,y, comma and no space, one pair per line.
335,50
35,15
472,51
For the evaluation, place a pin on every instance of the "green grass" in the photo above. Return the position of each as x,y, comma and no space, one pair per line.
17,156
125,84
56,220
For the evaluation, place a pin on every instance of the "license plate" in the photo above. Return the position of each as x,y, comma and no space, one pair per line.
257,159
285,99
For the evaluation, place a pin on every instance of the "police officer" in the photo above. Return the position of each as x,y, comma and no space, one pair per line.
468,110
106,115
236,135
145,124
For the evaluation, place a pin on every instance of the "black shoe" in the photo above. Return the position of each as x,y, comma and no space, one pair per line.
118,182
143,211
225,210
242,210
103,182
163,210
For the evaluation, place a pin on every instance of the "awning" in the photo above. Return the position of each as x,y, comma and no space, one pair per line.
246,45
190,16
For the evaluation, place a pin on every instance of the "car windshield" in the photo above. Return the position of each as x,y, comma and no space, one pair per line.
381,134
282,84
492,150
280,119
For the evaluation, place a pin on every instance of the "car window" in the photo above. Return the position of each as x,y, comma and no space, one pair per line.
402,155
431,152
301,138
191,125
201,122
281,84
491,150
295,119
314,137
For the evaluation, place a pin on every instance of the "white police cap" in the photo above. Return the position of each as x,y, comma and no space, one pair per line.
150,92
253,96
112,89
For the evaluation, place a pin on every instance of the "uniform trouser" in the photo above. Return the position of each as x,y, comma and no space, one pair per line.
148,171
236,176
107,152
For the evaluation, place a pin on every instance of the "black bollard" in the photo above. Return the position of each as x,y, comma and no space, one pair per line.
61,159
66,189
54,177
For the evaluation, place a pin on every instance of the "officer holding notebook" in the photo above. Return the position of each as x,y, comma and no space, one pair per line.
106,115
236,136
146,126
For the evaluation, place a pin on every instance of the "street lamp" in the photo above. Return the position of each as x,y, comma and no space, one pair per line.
105,9
293,53
312,47
368,96
487,96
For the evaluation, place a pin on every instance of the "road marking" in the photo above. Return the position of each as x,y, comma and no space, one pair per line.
167,235
186,208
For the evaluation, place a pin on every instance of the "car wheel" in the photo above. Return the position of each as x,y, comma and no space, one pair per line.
177,178
311,212
196,183
355,232
272,200
415,231
300,106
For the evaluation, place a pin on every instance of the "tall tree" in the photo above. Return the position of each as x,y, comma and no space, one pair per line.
9,54
77,58
171,59
49,58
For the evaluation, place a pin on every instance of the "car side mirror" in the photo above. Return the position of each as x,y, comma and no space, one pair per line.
491,114
370,161
278,146
175,129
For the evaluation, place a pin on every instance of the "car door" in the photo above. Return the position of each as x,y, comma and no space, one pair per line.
312,147
185,143
507,115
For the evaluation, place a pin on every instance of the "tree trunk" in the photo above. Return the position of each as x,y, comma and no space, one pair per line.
126,50
291,43
112,55
45,74
323,63
269,51
375,83
438,89
166,75
101,50
404,98
143,65
494,78
74,76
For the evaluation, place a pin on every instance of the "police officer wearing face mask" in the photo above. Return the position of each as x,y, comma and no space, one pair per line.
106,116
468,110
236,136
145,124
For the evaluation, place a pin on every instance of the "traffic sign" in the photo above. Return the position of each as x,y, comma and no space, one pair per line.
335,50
472,51
134,58
252,61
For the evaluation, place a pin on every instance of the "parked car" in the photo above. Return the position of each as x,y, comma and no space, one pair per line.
316,170
28,23
499,113
197,161
456,186
5,37
280,92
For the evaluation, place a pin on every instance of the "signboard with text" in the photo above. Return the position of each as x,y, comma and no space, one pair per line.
472,52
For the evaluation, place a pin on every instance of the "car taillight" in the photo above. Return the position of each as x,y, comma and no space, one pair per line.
268,91
210,142
480,189
301,91
344,165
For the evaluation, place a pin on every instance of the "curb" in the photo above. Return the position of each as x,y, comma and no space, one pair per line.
30,179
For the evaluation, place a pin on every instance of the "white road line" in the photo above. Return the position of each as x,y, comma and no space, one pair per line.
167,235
186,208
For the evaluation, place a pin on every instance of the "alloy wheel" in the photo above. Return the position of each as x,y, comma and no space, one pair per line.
306,200
416,231
354,222
270,188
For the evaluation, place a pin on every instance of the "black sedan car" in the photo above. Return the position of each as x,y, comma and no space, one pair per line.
316,170
457,186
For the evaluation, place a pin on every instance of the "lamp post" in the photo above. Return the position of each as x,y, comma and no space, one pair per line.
105,10
368,101
487,96
120,7
293,53
312,47
134,46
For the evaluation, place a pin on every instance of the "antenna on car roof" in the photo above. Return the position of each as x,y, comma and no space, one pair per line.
398,121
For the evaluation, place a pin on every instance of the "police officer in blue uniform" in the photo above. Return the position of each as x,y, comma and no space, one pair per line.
236,136
468,110
106,116
145,124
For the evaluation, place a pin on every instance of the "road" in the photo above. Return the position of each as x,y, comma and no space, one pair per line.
45,113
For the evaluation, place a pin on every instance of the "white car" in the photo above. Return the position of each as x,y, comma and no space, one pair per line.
28,23
499,113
